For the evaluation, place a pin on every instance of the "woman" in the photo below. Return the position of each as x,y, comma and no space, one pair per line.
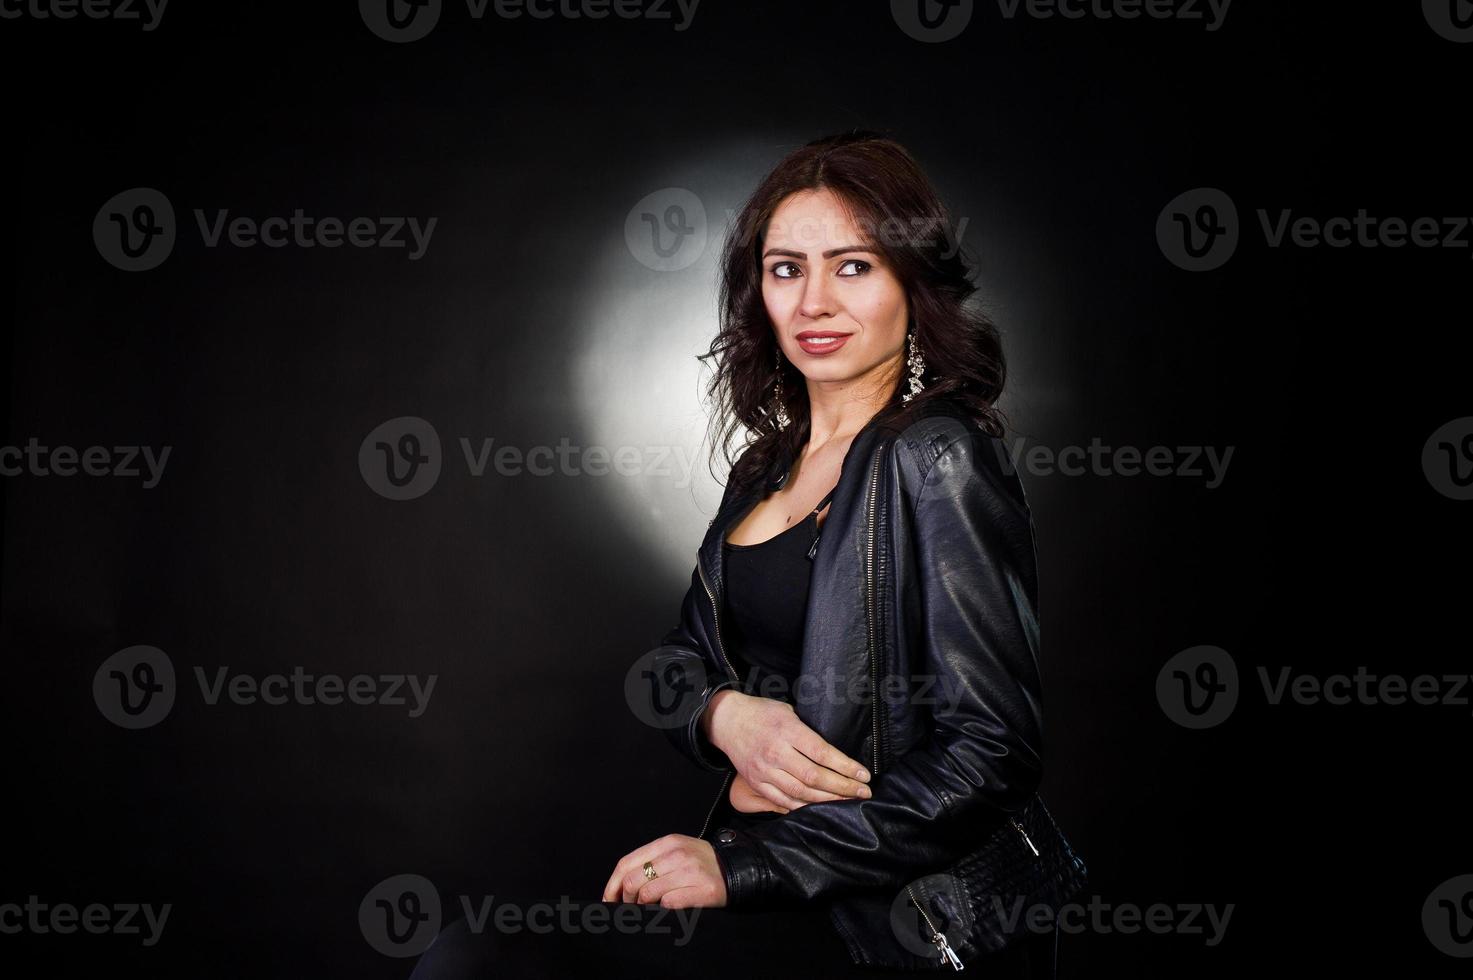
858,649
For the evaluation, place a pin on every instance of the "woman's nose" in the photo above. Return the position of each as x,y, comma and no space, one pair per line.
818,300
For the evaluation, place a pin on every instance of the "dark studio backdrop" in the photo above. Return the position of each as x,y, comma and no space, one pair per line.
537,312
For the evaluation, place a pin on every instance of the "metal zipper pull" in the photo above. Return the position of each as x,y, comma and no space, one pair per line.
947,952
1026,839
813,548
938,938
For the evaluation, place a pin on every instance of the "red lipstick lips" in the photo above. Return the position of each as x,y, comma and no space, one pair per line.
819,343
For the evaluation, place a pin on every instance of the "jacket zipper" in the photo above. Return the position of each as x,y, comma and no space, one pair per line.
706,824
716,619
869,609
720,648
938,938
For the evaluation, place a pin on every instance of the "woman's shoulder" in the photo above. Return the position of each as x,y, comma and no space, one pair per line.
947,427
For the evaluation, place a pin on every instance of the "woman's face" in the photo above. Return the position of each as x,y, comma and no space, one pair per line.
820,278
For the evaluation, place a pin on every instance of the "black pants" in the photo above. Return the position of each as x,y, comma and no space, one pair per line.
706,943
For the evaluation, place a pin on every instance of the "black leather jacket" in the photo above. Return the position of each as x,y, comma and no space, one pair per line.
924,571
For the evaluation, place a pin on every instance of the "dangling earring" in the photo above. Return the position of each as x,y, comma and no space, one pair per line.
777,393
916,364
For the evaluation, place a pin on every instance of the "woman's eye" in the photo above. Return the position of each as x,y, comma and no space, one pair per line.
785,270
859,267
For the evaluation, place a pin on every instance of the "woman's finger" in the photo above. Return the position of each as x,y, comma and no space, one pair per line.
774,794
820,779
848,775
744,799
634,859
666,860
796,787
671,877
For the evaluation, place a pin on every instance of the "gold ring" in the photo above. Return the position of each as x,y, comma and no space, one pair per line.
649,872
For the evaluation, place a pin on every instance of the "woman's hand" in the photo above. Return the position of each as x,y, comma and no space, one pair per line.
780,759
687,875
745,799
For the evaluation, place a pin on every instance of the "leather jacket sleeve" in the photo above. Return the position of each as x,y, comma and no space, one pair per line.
690,676
974,559
691,673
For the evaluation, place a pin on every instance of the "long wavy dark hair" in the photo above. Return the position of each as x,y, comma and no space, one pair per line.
891,201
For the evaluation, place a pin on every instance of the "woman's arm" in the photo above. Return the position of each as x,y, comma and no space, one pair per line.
780,757
940,800
689,674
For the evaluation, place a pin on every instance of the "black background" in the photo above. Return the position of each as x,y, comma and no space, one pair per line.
262,548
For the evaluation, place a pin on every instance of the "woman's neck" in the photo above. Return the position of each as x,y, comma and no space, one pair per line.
839,409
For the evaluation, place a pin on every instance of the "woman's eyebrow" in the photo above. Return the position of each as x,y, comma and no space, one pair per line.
841,250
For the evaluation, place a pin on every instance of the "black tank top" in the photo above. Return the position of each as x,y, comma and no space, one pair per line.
767,603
